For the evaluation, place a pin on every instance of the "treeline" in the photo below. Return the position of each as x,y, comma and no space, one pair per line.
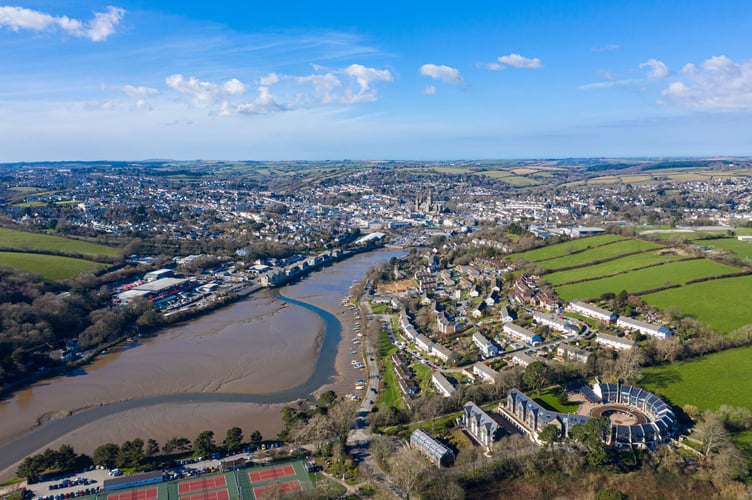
133,453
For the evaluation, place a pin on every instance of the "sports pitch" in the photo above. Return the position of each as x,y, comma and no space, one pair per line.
247,484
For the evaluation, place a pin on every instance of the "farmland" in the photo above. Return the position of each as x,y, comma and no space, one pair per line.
612,267
599,253
690,382
562,249
723,304
50,267
674,273
742,249
11,239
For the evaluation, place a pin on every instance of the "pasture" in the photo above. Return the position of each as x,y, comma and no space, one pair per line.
561,249
742,249
11,239
602,252
706,383
673,273
50,267
723,304
620,265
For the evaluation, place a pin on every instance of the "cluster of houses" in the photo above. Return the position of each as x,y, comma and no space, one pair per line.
422,342
626,324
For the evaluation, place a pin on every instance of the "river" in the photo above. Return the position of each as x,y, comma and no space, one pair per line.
234,366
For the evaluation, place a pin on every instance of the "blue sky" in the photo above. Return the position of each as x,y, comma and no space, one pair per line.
255,80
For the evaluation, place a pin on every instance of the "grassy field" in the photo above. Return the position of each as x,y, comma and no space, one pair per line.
742,249
706,383
50,267
21,240
561,249
674,273
612,267
723,304
548,399
599,253
390,395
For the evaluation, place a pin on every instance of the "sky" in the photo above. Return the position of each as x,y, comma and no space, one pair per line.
304,80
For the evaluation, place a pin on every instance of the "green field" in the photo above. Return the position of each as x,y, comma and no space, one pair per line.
723,304
742,249
707,383
390,394
560,249
548,399
600,253
612,267
50,267
674,273
10,239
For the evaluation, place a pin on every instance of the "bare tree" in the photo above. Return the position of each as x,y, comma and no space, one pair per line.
407,467
711,433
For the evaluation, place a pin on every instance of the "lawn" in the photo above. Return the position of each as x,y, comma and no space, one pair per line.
723,304
560,249
50,267
422,375
612,267
390,394
707,383
549,400
673,273
11,239
600,253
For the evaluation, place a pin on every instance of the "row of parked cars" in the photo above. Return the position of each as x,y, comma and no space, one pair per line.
67,483
71,494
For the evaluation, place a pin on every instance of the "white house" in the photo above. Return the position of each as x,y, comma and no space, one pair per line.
592,311
487,347
442,385
523,334
643,327
555,322
615,342
485,372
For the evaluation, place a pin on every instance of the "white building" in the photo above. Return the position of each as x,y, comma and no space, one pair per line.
643,327
615,342
592,311
555,322
487,347
442,385
485,372
523,334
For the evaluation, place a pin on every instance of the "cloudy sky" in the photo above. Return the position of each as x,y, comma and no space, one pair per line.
138,79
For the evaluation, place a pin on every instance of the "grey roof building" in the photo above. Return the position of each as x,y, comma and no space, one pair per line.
430,447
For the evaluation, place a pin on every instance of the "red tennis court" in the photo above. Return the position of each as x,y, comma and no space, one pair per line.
199,485
269,474
147,494
209,495
275,490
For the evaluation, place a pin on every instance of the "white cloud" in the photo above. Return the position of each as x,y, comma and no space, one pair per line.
429,90
141,105
351,85
442,73
719,83
518,61
205,94
630,83
96,30
138,91
605,48
269,79
657,70
492,66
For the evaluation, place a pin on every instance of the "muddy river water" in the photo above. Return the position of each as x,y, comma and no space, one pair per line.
235,366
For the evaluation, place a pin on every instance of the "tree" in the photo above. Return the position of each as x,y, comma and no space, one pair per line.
152,448
106,454
549,435
233,439
131,453
406,468
536,375
204,443
711,433
610,494
256,437
327,398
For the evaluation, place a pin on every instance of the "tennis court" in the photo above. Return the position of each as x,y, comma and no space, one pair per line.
209,495
270,474
277,489
147,494
202,484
